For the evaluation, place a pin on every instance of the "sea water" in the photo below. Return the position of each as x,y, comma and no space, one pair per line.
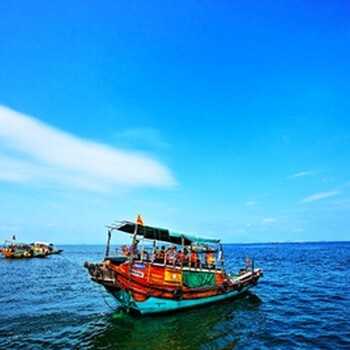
302,302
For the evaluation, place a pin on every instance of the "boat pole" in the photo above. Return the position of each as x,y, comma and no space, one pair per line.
222,258
133,242
131,258
108,243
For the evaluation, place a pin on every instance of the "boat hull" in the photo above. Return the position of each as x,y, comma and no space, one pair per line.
154,305
183,271
149,290
17,254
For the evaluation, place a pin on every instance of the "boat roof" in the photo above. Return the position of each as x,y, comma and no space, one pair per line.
162,234
8,241
42,243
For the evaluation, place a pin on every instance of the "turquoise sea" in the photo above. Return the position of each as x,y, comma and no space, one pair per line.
302,302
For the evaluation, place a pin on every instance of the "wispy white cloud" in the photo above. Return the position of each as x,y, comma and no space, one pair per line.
14,170
31,150
301,174
319,196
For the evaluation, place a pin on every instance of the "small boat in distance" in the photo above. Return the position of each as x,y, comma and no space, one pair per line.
173,271
18,250
47,247
13,249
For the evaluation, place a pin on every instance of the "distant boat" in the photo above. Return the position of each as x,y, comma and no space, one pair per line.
48,247
153,279
19,250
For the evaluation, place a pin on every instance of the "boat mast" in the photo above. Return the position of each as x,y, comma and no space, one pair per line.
108,243
133,242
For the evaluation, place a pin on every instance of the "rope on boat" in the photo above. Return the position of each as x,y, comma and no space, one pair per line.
106,302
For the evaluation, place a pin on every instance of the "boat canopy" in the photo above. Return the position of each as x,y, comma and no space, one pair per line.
15,243
164,235
42,243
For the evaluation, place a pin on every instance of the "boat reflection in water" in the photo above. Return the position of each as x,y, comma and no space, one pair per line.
215,326
174,271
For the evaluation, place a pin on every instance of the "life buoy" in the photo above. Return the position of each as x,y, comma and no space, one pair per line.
239,286
178,294
225,287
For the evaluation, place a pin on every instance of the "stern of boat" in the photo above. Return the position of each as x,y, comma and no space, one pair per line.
245,280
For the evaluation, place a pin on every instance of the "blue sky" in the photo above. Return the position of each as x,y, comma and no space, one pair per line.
222,118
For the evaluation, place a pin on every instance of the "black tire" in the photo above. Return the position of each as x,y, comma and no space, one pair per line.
225,287
178,294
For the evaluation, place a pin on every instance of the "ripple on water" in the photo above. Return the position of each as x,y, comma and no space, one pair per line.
302,302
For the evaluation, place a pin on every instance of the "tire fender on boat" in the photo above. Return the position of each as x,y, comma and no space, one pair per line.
178,294
225,287
239,286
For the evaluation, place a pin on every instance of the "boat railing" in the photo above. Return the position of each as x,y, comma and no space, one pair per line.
149,254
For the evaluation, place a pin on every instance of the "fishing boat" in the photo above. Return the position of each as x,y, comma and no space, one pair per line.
169,272
19,250
47,247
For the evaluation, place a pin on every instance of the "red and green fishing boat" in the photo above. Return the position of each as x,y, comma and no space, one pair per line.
164,271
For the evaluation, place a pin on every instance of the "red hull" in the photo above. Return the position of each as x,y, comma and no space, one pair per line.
143,280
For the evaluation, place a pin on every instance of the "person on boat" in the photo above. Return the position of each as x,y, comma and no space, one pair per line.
194,259
161,254
179,258
209,259
185,256
171,254
133,251
155,253
125,250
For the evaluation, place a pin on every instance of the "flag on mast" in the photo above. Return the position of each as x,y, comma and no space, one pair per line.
139,220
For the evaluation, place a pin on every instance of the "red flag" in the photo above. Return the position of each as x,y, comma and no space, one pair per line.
139,220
